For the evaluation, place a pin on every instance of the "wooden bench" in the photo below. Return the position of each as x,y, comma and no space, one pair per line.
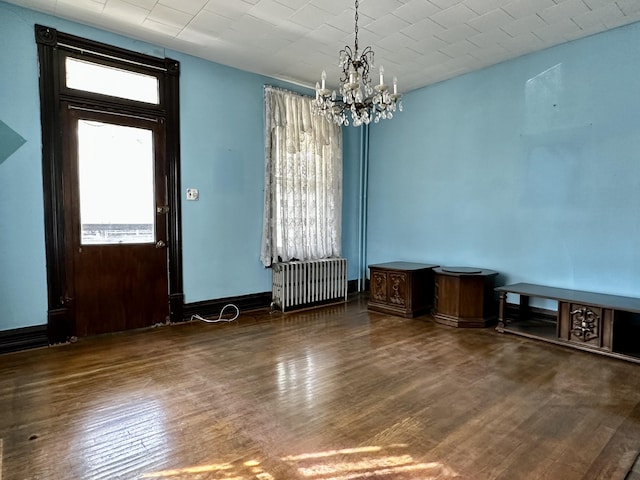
595,322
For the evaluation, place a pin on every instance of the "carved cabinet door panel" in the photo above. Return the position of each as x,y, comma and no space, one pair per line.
398,284
379,286
586,325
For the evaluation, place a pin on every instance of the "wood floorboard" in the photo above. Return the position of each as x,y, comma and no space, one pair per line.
336,393
634,474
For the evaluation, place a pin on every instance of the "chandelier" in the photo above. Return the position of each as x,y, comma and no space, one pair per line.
360,100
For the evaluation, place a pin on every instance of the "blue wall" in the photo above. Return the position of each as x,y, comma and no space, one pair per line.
222,154
530,167
23,287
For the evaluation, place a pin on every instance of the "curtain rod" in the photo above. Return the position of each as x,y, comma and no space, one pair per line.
111,57
284,90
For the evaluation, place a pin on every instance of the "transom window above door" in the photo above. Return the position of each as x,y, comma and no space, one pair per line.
107,80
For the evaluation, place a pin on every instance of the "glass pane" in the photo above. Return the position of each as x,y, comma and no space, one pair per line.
115,171
97,78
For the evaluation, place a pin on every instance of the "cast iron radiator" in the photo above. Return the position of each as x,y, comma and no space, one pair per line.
308,283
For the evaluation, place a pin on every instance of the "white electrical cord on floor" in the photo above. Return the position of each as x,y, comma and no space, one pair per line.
219,319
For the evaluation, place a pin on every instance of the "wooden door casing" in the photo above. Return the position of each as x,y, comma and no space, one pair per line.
53,47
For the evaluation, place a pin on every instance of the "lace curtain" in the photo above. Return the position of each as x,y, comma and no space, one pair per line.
303,181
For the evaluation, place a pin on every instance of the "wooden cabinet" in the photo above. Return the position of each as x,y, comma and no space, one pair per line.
600,323
401,288
464,296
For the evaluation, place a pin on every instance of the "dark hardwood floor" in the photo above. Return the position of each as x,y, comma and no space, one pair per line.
334,393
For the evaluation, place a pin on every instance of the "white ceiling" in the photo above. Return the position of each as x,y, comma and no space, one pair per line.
419,41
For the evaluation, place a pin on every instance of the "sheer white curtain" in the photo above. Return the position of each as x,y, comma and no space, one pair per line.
303,181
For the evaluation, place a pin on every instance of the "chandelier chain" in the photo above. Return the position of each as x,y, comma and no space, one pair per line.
356,30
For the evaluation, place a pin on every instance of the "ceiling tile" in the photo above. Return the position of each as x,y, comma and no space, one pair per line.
146,4
454,16
416,10
123,11
428,44
490,38
169,16
396,41
293,4
331,6
523,43
326,34
232,10
311,16
162,27
69,7
459,48
484,6
387,25
597,4
524,25
345,20
490,20
378,8
271,11
210,23
444,4
564,10
431,57
457,33
558,32
597,19
188,6
423,29
490,54
526,8
629,7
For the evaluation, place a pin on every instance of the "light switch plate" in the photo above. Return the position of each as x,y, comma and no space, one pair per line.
192,194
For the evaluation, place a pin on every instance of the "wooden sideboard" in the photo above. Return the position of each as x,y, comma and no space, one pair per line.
595,322
464,296
401,288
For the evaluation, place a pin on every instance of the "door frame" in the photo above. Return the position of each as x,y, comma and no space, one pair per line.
53,47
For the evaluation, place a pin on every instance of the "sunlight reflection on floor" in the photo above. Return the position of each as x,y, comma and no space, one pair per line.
389,462
122,430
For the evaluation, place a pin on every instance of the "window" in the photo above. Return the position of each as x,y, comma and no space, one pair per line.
108,80
116,183
303,181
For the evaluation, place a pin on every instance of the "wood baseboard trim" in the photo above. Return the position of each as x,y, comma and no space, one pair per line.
23,338
254,301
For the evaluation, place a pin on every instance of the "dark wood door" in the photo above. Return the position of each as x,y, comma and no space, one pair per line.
115,197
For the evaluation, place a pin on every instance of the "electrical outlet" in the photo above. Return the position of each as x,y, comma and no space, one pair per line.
192,194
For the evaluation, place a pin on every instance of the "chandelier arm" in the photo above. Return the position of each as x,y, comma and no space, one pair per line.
346,59
367,62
